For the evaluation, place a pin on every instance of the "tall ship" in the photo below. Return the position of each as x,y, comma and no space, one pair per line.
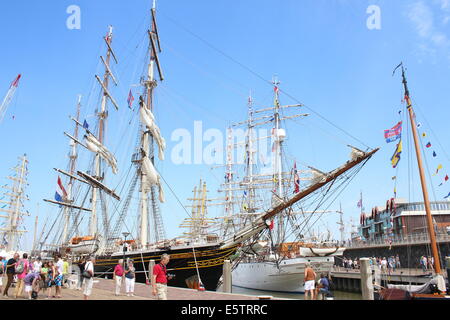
276,260
12,209
92,218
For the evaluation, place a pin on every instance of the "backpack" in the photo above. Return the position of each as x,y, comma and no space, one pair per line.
20,267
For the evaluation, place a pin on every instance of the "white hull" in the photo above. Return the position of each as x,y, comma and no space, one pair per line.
84,247
288,278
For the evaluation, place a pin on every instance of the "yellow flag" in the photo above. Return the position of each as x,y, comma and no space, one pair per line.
438,168
396,157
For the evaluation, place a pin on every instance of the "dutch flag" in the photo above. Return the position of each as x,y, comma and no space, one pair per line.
60,193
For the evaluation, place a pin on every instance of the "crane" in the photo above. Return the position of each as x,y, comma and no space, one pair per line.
8,97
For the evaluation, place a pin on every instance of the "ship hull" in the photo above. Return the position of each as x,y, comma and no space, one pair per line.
207,262
289,277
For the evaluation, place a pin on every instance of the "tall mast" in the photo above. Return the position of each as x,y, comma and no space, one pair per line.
72,162
102,116
423,182
147,140
278,159
250,160
12,233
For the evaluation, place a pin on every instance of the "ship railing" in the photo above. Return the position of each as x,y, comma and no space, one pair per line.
398,240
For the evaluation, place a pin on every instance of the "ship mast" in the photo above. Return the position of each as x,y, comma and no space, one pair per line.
423,182
147,139
278,159
12,233
72,163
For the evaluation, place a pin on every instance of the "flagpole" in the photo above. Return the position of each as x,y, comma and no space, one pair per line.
434,249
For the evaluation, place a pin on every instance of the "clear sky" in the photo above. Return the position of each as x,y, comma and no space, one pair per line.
323,51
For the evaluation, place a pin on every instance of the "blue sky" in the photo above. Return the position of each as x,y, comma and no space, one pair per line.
321,51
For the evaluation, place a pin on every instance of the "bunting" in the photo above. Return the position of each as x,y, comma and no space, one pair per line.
439,167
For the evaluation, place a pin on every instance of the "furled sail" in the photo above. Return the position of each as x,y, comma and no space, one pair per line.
95,146
148,119
151,178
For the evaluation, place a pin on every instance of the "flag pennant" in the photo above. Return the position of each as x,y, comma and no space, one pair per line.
359,204
438,168
272,224
434,154
130,100
424,134
428,145
448,196
396,157
394,133
85,125
62,187
296,179
58,197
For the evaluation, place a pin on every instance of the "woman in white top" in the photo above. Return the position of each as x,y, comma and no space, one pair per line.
130,275
88,277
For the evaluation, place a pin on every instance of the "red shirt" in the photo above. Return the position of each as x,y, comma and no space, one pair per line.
160,272
118,270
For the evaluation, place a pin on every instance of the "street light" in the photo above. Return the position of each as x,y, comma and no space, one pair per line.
125,234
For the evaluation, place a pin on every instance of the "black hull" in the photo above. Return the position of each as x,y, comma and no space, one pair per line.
182,264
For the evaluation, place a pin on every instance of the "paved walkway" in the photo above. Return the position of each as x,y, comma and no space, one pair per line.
104,290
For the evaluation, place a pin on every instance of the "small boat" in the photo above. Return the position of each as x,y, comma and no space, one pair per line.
435,288
83,245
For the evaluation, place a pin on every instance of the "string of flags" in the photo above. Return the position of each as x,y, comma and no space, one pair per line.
439,167
394,134
391,135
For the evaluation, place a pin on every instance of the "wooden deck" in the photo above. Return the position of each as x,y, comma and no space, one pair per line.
104,290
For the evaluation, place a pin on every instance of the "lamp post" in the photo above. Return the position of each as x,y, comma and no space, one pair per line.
125,235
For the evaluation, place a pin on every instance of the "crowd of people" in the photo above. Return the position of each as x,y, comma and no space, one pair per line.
384,264
426,263
31,276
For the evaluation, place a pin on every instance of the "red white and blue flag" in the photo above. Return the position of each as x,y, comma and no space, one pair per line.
394,133
60,193
130,100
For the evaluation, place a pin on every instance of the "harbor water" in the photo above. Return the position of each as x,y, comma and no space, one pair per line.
338,295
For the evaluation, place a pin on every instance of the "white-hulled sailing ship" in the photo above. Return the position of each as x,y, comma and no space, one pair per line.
195,261
276,260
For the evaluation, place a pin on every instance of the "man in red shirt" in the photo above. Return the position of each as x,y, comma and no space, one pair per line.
118,276
159,278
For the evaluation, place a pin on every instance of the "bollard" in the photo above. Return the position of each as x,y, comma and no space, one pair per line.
226,276
366,280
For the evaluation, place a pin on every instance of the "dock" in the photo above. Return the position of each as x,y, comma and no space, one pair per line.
350,279
104,289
